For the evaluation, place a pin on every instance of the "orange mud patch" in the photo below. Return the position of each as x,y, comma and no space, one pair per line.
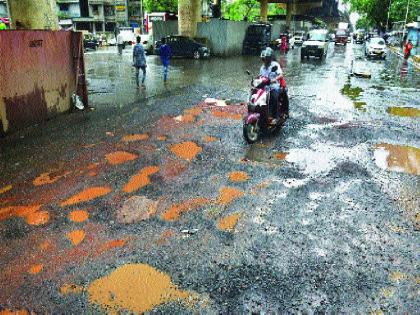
35,269
185,118
209,139
76,236
229,194
45,245
78,216
19,211
141,179
228,223
186,150
48,178
120,157
172,168
134,288
71,289
92,166
5,189
404,111
135,137
398,158
238,176
165,236
110,245
37,218
225,115
18,312
161,138
175,211
195,111
280,155
92,174
87,195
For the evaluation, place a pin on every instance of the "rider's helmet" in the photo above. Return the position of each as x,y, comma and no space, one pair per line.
267,53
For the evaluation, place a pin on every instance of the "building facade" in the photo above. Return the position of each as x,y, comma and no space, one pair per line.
93,15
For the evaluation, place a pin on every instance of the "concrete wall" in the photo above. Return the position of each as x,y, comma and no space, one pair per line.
216,33
41,75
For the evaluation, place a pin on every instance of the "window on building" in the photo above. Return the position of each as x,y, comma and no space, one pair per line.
64,6
95,9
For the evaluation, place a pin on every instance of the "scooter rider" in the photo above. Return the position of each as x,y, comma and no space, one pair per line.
272,70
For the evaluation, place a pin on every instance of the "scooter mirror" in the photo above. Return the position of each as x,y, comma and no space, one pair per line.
248,72
274,69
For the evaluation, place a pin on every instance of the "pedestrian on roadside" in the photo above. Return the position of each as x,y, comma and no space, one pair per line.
408,46
139,61
120,43
165,57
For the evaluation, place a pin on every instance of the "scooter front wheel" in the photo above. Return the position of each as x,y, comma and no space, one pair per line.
251,133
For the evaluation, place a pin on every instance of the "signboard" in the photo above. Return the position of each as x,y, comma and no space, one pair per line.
120,8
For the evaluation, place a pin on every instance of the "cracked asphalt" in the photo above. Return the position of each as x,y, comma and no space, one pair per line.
153,202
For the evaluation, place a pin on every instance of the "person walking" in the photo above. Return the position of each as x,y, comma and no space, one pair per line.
120,43
407,49
165,56
139,61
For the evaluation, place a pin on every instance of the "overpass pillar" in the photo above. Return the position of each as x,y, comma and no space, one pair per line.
264,10
29,14
189,13
288,14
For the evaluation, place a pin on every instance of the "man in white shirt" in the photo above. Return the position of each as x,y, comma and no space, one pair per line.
120,43
272,70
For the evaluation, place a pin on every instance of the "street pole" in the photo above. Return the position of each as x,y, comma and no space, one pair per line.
405,23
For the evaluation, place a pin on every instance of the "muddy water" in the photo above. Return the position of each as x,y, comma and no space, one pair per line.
136,288
398,158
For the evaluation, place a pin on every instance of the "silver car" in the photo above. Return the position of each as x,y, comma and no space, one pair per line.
375,47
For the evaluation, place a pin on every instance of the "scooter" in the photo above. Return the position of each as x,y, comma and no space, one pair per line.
257,122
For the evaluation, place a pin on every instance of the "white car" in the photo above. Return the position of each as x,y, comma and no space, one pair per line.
316,45
376,47
299,38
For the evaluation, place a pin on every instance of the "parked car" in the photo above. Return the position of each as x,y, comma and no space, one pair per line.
376,47
340,37
257,38
316,45
90,42
299,37
184,47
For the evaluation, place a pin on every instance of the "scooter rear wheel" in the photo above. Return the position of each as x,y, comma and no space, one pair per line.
251,133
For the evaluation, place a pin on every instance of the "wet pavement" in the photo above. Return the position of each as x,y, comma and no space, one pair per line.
153,202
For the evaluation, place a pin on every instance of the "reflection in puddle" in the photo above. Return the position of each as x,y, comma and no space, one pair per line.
398,158
352,92
360,106
404,111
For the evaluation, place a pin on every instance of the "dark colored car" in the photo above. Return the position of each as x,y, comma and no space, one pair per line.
340,37
182,46
257,38
89,42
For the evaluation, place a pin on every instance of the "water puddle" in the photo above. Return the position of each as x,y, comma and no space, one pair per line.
229,222
135,137
175,211
87,195
134,288
141,179
186,150
228,195
361,106
351,92
238,176
78,216
398,158
76,236
120,157
404,111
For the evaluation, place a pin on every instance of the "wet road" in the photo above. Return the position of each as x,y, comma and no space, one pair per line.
153,202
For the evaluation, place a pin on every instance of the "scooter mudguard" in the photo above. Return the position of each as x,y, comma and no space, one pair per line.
252,118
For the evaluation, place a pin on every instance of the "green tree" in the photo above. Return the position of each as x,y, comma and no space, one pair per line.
161,5
241,9
363,22
375,12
